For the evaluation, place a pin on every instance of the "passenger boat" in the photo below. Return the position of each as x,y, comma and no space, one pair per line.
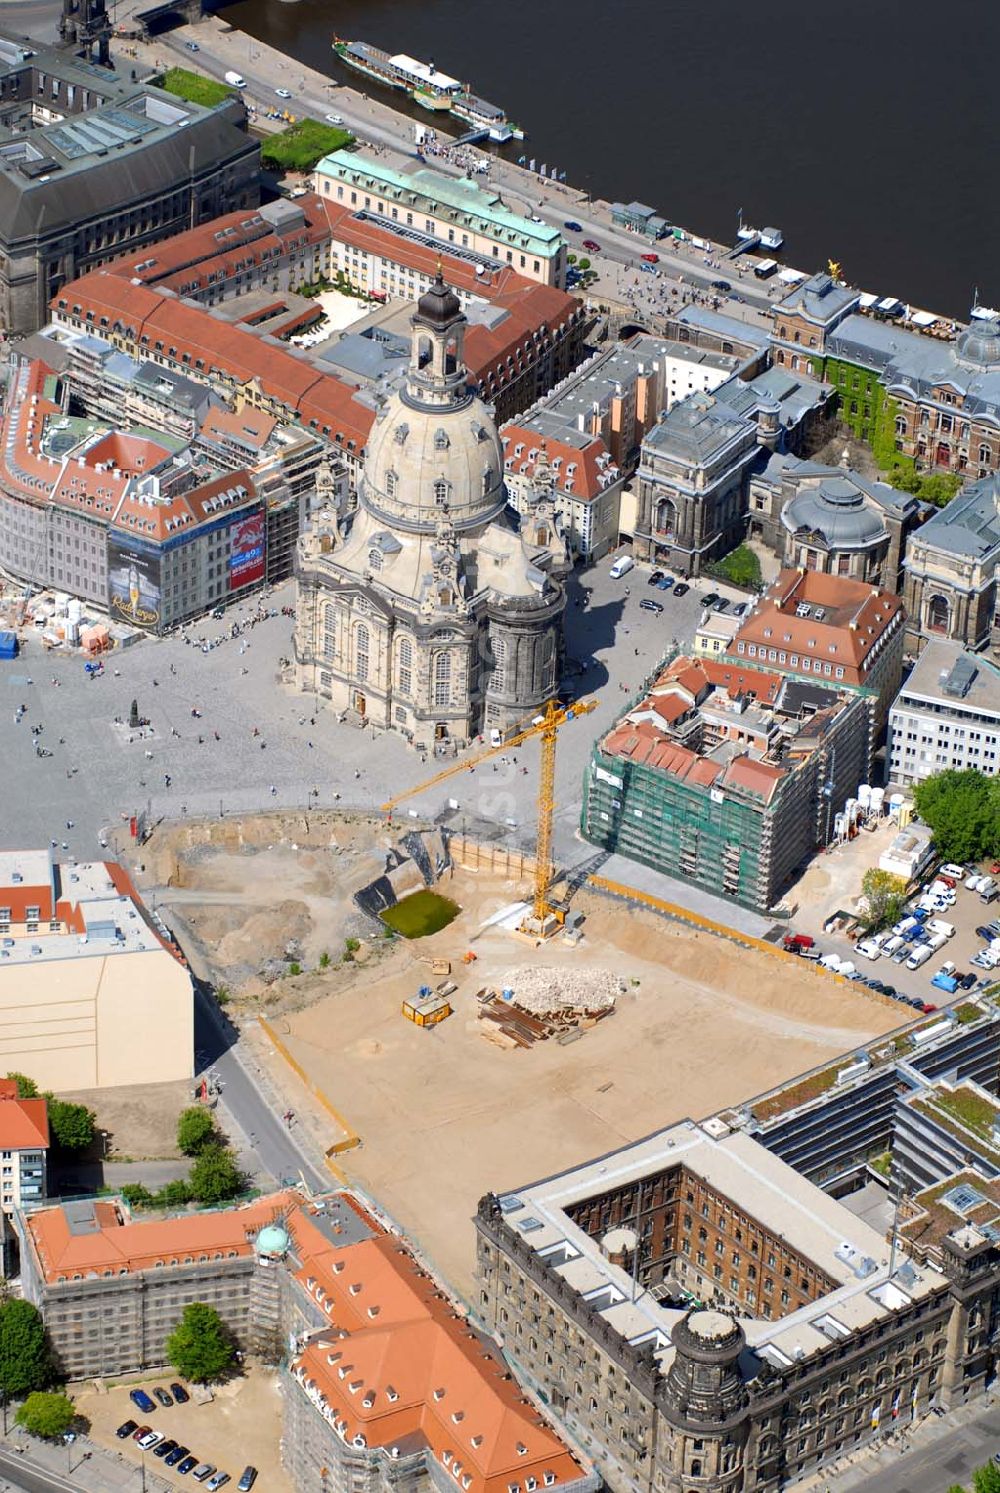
427,86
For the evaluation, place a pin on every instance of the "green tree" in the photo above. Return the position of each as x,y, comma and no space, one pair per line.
960,808
27,1088
215,1177
173,1194
987,1479
200,1347
195,1128
742,566
47,1415
25,1362
137,1195
886,898
70,1125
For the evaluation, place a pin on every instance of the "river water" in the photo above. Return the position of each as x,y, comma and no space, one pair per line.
868,130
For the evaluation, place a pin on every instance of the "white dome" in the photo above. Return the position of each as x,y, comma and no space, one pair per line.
424,459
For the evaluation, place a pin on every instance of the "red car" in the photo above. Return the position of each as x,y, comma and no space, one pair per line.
650,258
594,248
798,941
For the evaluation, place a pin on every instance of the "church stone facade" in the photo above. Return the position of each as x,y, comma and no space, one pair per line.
429,610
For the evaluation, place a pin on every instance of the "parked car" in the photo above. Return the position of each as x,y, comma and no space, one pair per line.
721,605
653,577
140,1399
950,869
665,583
621,567
682,588
972,881
126,1429
710,599
165,1448
151,1439
202,1472
185,1466
177,1455
966,981
722,285
592,245
985,933
141,1431
179,1393
192,46
650,258
248,1479
648,605
573,227
164,1398
218,1481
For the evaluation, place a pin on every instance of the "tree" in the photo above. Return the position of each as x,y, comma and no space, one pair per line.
173,1194
886,898
960,808
200,1347
215,1177
742,567
27,1088
987,1479
195,1128
71,1125
25,1363
136,1194
47,1415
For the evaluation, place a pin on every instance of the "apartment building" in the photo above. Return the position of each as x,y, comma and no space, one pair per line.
586,484
24,1142
946,715
719,772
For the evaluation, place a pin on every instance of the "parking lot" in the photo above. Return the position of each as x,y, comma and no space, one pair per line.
236,1428
966,915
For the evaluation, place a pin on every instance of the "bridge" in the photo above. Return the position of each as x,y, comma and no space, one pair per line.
472,136
167,10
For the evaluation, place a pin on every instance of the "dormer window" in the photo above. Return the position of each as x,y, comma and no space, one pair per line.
391,484
375,559
441,441
488,481
442,491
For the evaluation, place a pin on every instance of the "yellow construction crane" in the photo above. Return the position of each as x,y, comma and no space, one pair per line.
544,917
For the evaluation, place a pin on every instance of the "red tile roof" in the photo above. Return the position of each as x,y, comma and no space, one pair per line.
24,1123
856,617
580,472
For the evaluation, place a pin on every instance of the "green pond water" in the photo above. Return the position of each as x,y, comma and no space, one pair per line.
420,914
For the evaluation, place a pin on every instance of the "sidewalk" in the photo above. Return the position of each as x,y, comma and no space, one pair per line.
81,1465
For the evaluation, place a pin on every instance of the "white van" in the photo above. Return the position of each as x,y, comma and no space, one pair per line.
236,80
621,567
919,956
869,948
938,925
896,942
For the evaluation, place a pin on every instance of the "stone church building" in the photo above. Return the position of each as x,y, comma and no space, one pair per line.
432,610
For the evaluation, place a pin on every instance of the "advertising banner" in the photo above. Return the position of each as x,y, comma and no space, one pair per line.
134,593
246,559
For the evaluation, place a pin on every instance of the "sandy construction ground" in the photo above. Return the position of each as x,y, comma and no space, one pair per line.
445,1115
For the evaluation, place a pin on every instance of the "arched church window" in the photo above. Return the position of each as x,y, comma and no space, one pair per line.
329,633
425,352
442,679
375,559
442,491
937,614
488,481
361,652
405,670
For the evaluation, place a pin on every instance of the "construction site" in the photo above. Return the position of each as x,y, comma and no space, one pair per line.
558,1048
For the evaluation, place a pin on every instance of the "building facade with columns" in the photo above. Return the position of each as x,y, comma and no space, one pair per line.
430,611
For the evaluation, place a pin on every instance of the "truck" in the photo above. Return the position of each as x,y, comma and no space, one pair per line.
941,981
235,80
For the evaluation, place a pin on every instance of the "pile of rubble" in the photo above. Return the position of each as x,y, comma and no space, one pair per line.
529,1005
